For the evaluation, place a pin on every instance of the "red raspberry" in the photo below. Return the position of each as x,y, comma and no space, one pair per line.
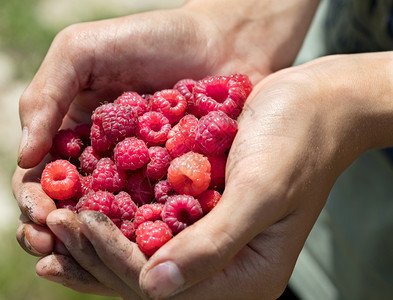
60,180
244,81
159,163
67,144
88,160
101,201
190,174
218,165
127,207
185,87
215,133
131,154
83,131
140,188
148,212
112,123
147,98
150,236
107,176
85,186
170,103
181,211
153,128
127,227
181,138
219,93
162,190
208,200
134,100
67,204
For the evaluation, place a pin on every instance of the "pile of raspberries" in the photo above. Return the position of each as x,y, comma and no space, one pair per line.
154,164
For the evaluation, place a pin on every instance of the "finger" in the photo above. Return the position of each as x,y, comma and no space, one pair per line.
122,256
65,226
66,271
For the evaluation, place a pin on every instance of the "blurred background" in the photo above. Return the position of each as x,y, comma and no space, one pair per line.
27,28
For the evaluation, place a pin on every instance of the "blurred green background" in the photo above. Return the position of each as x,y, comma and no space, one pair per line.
27,28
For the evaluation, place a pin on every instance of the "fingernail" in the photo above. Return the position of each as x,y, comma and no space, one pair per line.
163,280
59,231
30,248
23,142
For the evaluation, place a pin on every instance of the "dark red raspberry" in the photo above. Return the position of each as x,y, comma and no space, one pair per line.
219,93
181,138
181,211
67,144
150,236
107,176
208,200
131,154
153,128
101,201
67,204
133,100
148,212
83,131
127,207
170,103
159,163
218,165
127,227
185,87
88,160
190,173
60,180
147,98
162,190
140,188
215,133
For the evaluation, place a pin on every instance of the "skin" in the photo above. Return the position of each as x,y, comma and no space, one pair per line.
302,125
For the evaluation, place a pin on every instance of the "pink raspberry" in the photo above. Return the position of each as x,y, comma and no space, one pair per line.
111,124
148,212
127,227
67,204
162,190
101,201
181,138
83,131
140,188
218,165
244,81
185,87
181,211
133,100
215,133
60,180
190,174
127,207
67,144
170,103
153,128
88,160
150,236
159,163
131,154
107,176
208,200
219,93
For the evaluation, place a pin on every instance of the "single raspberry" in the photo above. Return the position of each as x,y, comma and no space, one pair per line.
85,186
208,200
148,212
67,144
88,160
112,124
162,190
159,163
134,100
67,204
181,138
127,207
170,103
215,133
107,176
185,87
150,236
153,128
140,188
101,201
190,173
60,180
131,154
219,93
127,227
245,82
218,165
181,211
83,131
